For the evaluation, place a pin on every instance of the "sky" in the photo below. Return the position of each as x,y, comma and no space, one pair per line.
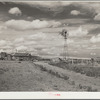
34,27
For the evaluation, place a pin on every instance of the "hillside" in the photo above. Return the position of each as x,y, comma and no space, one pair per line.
40,76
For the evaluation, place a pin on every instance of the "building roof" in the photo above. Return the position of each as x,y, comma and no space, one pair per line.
3,53
22,54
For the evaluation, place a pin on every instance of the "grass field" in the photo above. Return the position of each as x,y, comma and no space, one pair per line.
40,76
86,69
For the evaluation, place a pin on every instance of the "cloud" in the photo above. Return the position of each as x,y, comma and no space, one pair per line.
92,53
3,42
93,47
18,40
95,39
75,12
78,32
26,25
49,11
1,50
70,41
15,11
5,46
21,48
97,17
2,28
38,36
54,24
45,4
29,43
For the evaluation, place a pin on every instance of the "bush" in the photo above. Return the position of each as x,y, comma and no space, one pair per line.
89,88
2,70
71,82
83,69
66,77
53,72
80,86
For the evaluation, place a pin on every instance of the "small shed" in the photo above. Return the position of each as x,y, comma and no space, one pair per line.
3,55
9,57
22,56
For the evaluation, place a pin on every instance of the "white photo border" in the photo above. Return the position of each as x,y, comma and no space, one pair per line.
50,95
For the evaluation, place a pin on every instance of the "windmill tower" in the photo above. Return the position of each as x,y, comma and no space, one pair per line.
65,34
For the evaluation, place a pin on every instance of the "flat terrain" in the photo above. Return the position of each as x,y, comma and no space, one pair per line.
40,76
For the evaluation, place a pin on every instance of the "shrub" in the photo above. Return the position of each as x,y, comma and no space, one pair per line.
66,77
80,86
89,88
53,71
71,82
83,69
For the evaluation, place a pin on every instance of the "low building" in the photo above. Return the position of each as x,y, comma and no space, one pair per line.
3,55
76,60
97,60
22,56
9,57
56,59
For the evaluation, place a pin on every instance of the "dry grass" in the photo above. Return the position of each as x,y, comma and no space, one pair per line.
87,88
84,83
53,72
27,76
83,69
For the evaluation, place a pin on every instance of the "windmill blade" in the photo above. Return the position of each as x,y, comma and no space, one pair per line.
59,33
64,33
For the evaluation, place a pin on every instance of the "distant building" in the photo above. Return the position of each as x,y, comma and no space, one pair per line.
75,60
35,58
97,60
3,55
56,59
9,57
22,56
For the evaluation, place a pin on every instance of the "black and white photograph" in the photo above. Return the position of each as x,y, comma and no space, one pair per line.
49,46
